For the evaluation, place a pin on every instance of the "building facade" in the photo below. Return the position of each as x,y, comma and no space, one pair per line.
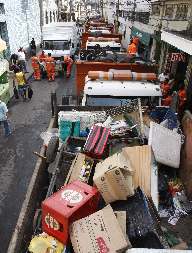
49,11
19,23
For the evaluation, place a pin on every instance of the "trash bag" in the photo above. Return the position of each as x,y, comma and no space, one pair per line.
141,224
30,92
16,93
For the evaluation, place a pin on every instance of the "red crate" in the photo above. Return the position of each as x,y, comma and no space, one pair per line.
73,202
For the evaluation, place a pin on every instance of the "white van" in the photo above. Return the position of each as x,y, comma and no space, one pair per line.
60,39
118,93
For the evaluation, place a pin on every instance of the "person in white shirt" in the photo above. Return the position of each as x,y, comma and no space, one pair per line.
3,118
163,76
22,59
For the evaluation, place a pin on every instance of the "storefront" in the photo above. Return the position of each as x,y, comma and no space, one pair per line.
145,42
4,82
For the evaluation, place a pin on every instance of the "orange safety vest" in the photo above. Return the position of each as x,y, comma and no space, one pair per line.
50,63
167,101
182,97
42,57
68,59
132,49
35,62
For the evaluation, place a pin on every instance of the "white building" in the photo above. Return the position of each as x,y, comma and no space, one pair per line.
19,23
50,11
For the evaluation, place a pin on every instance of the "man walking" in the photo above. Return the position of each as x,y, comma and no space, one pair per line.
50,67
22,59
33,47
3,118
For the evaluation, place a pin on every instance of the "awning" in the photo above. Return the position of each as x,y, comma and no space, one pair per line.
177,41
144,37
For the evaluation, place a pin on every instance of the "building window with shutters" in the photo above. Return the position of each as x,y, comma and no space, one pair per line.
169,10
50,16
156,9
54,16
182,10
46,17
2,9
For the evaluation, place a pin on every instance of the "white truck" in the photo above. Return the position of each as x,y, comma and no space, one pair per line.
60,39
119,93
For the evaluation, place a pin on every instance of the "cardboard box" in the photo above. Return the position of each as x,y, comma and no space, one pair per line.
99,232
72,202
113,178
140,160
80,168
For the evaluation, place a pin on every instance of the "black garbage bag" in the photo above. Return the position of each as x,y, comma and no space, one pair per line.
142,223
16,93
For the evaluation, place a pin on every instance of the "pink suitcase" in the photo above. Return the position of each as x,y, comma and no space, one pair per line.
97,141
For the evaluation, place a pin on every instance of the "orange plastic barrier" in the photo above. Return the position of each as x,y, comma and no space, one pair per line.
101,75
121,75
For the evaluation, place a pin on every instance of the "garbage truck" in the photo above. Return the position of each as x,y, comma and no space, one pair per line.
60,39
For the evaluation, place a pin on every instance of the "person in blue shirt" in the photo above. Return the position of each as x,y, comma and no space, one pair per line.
3,118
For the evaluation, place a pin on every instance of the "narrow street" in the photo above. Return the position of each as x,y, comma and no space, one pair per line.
28,120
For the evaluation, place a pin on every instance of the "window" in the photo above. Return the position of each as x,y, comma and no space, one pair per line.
54,16
169,9
2,9
46,17
182,10
156,9
50,16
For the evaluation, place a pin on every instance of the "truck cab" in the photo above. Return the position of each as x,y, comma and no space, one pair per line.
119,93
60,39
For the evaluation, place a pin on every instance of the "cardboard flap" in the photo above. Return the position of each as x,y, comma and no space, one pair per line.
140,160
99,232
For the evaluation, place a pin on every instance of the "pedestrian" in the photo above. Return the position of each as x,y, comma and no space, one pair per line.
182,96
22,59
4,118
42,60
50,67
36,67
165,87
33,47
163,76
21,82
167,99
68,62
133,47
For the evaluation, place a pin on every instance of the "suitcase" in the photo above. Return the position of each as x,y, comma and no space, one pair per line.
97,141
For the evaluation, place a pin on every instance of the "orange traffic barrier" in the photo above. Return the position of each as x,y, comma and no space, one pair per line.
101,75
121,75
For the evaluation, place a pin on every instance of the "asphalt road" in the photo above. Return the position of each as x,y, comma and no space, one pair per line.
28,120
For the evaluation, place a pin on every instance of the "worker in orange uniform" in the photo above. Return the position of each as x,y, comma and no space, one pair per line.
68,62
36,67
42,60
50,67
182,98
133,46
42,57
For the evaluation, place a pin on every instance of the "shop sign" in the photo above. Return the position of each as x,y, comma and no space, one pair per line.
177,57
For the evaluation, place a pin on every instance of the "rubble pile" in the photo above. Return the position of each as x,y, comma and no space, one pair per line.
123,179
